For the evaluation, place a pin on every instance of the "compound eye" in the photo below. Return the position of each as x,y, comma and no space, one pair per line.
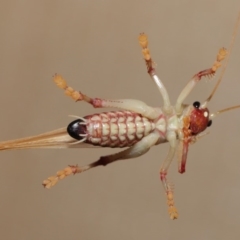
209,123
196,104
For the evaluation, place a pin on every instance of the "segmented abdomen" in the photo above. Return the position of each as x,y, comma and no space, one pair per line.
115,129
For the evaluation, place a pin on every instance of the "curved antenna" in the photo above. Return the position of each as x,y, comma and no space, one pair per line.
226,62
213,115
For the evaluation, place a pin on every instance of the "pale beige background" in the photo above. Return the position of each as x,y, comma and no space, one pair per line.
94,45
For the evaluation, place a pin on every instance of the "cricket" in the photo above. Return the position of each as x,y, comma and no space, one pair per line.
134,125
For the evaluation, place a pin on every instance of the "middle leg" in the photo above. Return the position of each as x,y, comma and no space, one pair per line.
163,175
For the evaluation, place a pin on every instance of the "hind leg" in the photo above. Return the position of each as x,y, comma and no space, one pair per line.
124,104
136,150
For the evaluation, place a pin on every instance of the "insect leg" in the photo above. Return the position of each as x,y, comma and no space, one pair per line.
136,150
143,41
163,173
197,77
125,104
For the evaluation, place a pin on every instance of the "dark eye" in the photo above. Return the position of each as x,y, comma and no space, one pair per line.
209,123
196,104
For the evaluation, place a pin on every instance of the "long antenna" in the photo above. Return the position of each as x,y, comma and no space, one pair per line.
227,59
213,115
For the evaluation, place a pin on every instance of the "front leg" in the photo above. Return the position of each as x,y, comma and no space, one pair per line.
124,104
197,77
136,150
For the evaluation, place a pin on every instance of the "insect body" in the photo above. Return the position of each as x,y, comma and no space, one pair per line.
114,129
134,125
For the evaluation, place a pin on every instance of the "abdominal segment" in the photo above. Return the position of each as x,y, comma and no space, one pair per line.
114,129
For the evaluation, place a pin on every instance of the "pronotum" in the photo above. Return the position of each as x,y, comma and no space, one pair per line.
135,125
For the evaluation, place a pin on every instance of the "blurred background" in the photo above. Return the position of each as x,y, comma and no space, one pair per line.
94,45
